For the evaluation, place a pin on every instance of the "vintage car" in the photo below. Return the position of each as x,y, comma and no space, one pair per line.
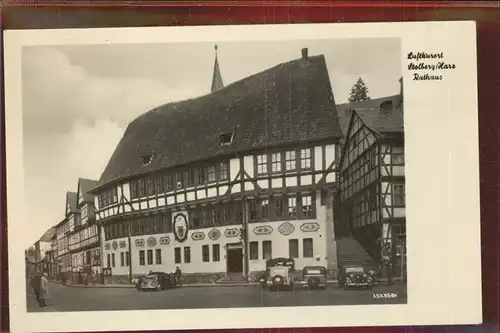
314,277
278,274
156,281
355,276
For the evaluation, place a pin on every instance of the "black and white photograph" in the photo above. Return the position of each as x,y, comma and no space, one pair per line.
236,173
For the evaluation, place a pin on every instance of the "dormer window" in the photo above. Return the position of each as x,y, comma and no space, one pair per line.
386,106
226,139
146,159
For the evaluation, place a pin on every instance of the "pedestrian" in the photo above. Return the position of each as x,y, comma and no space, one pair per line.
387,262
44,290
178,275
35,285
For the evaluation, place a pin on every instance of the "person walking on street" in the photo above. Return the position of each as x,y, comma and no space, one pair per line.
44,290
35,285
178,275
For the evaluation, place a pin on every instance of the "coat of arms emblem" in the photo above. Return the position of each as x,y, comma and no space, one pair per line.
180,227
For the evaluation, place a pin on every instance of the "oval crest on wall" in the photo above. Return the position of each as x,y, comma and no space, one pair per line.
309,227
151,241
123,244
180,227
115,245
139,242
286,228
214,234
230,233
263,230
165,240
196,236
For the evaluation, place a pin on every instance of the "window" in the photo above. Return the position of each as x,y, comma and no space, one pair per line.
398,159
159,185
226,139
187,255
292,207
305,158
211,174
264,209
150,187
215,252
290,160
158,256
122,259
141,186
177,255
253,210
168,183
109,260
202,176
127,259
293,248
142,260
190,177
280,207
398,195
276,162
254,250
146,159
179,180
307,247
261,164
113,260
150,257
223,171
205,253
307,208
267,250
133,190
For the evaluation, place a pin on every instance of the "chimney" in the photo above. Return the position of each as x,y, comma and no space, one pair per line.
304,53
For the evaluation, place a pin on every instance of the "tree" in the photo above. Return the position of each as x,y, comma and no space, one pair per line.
359,91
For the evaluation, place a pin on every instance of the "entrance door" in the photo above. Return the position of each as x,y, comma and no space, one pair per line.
235,260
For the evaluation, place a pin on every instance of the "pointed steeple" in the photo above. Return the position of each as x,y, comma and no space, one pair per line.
217,78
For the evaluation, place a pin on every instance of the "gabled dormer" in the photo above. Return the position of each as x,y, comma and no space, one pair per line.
71,205
84,187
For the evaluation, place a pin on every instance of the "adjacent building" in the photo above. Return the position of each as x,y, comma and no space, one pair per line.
83,237
219,184
371,202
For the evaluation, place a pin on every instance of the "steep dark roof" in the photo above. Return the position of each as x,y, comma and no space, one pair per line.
289,103
86,185
72,199
383,122
372,104
48,235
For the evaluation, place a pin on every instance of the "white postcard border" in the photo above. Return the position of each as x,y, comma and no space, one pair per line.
442,184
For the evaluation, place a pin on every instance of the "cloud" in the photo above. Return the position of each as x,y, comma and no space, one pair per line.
72,123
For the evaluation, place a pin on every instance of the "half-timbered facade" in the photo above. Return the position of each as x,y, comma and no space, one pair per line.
372,203
221,183
84,244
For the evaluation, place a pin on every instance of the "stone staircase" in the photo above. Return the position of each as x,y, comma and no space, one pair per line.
232,279
351,252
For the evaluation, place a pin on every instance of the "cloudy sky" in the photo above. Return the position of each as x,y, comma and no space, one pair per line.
78,100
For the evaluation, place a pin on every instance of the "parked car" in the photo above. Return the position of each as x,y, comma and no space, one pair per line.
156,281
314,277
276,262
278,274
355,276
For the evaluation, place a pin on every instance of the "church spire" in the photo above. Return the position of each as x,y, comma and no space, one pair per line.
217,78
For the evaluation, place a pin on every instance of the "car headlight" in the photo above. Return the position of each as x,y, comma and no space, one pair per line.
364,275
351,276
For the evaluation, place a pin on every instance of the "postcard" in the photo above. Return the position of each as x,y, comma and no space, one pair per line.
248,176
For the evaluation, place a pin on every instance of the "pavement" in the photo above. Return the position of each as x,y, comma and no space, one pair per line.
64,298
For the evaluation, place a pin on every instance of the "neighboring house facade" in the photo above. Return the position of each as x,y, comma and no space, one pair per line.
371,203
62,230
219,184
83,238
